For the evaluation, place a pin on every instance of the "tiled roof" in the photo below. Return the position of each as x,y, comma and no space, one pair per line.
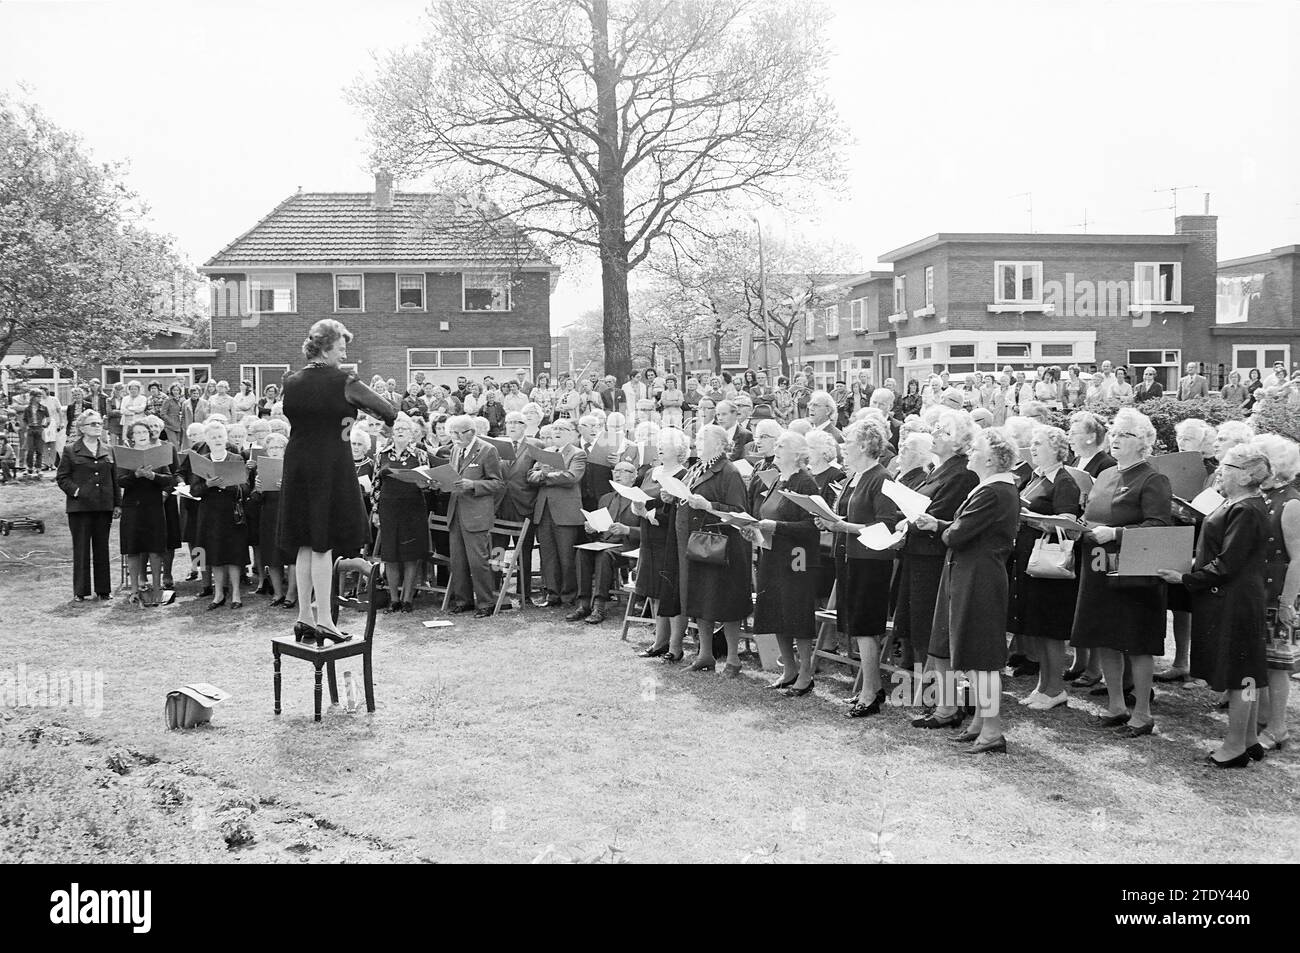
345,228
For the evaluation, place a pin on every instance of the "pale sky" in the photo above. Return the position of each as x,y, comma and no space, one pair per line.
958,107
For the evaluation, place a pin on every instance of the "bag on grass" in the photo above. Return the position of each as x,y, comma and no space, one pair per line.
191,705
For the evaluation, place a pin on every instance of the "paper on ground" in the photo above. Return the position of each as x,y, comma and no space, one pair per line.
437,623
912,504
878,537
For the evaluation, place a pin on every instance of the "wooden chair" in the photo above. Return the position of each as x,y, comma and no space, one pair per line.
324,657
509,564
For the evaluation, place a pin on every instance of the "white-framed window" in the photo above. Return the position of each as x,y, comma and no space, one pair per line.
858,314
485,291
833,321
1062,351
809,325
730,353
262,374
166,376
1262,356
1158,282
410,293
349,293
272,293
961,351
929,286
1018,282
900,294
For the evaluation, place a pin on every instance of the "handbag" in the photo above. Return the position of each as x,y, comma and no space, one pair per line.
707,547
1282,650
1052,558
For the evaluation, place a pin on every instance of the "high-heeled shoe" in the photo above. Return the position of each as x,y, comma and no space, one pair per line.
701,666
324,634
859,710
783,682
302,632
277,602
1256,752
1269,742
793,692
216,605
236,605
653,652
393,607
289,604
672,658
1240,761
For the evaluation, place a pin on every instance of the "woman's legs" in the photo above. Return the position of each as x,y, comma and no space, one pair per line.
393,574
218,582
663,625
676,633
789,667
276,574
869,653
155,571
945,684
410,573
805,647
704,631
1144,667
1279,687
732,632
133,573
988,711
1051,653
313,577
1182,647
236,574
1112,669
1241,725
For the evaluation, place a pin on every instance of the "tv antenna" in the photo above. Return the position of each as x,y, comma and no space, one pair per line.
1084,223
1173,193
1029,198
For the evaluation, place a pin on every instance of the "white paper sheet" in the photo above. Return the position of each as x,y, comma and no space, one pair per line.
633,493
877,536
1207,501
600,519
744,468
675,487
813,503
912,504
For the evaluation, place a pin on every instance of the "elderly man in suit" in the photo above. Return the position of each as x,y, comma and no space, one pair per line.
596,478
1149,389
194,410
822,411
727,416
882,398
470,513
558,513
596,569
1192,384
516,502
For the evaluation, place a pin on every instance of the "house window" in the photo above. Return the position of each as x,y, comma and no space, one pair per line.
961,350
455,358
272,294
1157,282
1016,352
858,314
900,294
833,321
485,291
809,325
1058,350
929,286
348,293
410,292
729,354
1018,282
262,374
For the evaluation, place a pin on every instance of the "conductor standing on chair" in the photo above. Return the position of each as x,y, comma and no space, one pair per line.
470,513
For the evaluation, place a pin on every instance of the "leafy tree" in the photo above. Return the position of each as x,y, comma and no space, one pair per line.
610,126
82,279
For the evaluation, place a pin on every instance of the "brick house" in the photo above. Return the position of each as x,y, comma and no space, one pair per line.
978,302
428,283
852,333
1257,321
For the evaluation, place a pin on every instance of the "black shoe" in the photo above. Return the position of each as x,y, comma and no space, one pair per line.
860,710
783,682
1130,730
998,746
392,608
216,605
277,602
577,615
191,577
1113,721
302,632
596,617
168,583
672,658
206,591
482,613
322,636
793,692
653,652
932,722
1240,761
456,610
290,604
1256,752
408,607
236,605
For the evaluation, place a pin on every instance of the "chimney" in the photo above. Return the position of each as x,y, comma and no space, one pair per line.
1207,203
383,190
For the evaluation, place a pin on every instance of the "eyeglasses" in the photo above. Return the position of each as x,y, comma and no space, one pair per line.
1231,466
92,423
1133,435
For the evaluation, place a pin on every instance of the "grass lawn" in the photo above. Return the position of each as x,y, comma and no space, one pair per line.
525,738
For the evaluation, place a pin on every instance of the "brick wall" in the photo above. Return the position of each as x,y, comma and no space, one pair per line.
382,334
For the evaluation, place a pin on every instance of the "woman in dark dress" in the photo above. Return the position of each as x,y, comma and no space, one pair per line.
171,507
1088,441
142,534
88,479
709,592
1228,592
1281,574
284,585
1047,605
223,528
972,603
785,592
657,566
1123,621
402,514
947,486
824,466
862,575
320,506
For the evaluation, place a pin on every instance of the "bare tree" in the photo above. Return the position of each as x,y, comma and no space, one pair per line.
610,126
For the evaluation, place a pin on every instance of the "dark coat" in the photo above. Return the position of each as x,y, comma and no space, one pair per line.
1097,463
1228,591
1129,618
785,593
867,505
1045,607
971,610
87,479
947,486
476,507
717,593
739,443
1142,392
657,567
516,500
560,491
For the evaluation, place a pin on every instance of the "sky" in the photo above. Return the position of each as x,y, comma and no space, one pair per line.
964,114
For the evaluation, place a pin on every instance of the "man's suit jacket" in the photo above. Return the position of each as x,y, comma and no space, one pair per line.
831,429
1192,385
515,501
1143,392
561,490
621,509
596,480
192,413
475,509
739,442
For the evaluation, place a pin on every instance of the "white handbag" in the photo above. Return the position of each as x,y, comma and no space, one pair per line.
1052,558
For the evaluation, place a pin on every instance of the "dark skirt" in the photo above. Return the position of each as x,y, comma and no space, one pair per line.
403,523
143,526
862,596
1228,656
669,572
918,591
223,542
269,516
173,513
651,564
189,521
785,599
253,511
1047,607
1126,617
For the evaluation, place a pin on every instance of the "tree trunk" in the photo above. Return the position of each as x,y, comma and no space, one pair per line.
785,353
612,214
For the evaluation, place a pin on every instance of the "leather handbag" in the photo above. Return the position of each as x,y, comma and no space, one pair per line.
1052,558
707,547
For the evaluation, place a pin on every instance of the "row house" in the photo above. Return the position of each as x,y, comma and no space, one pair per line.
850,332
1257,322
427,282
979,302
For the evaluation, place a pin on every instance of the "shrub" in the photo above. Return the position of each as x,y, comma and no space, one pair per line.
1167,412
1276,416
